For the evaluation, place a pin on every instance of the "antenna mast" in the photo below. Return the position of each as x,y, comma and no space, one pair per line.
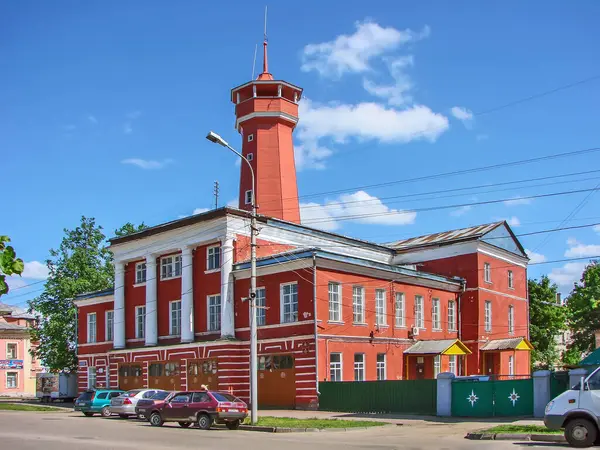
216,194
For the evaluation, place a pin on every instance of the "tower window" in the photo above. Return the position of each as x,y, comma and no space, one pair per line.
250,137
250,156
248,197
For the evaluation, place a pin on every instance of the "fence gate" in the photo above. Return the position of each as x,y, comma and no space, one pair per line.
474,398
559,383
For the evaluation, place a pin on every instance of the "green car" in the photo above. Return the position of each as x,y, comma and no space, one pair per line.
96,401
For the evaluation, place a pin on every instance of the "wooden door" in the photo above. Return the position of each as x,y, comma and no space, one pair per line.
164,375
420,368
130,376
488,360
202,372
276,381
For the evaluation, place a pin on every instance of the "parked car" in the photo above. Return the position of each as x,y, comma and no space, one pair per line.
96,401
144,405
201,407
124,405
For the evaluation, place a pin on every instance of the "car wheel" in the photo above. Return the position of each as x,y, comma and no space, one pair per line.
155,420
581,433
88,414
233,425
124,416
204,421
185,424
105,411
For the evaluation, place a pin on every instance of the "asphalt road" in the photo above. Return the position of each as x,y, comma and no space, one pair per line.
73,431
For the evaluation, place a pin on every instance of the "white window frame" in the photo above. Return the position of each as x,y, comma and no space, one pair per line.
336,367
138,314
91,375
140,273
400,310
16,346
282,303
213,325
261,305
248,197
250,156
452,364
16,378
380,307
452,316
436,320
358,304
487,316
109,330
381,367
250,137
335,302
419,312
511,279
359,367
175,325
511,365
487,273
172,261
437,366
92,337
511,319
211,264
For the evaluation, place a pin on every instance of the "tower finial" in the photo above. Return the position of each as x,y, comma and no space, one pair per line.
265,75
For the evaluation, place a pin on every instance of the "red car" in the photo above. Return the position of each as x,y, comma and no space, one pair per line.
201,407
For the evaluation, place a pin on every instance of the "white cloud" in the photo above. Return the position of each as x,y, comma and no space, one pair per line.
567,274
370,210
200,211
147,164
310,155
464,115
233,203
535,258
578,250
127,128
518,201
460,211
597,228
92,119
128,125
15,282
513,221
35,270
352,53
481,137
398,93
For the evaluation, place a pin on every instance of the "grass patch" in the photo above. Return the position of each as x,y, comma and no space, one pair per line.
521,429
23,407
289,422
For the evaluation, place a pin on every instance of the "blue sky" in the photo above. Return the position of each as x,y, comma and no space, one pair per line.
105,106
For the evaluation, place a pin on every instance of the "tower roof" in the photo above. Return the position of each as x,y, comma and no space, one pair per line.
265,75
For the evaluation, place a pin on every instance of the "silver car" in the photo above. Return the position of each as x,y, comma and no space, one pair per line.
124,404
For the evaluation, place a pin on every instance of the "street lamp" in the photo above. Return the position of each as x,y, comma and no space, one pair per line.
216,139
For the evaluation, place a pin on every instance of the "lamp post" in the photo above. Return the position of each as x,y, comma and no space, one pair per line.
215,138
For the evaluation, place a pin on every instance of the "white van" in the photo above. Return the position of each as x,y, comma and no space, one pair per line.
578,412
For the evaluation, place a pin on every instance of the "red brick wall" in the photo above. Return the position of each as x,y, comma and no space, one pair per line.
205,284
134,296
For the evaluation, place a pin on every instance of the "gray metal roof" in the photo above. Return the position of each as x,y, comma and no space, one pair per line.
503,344
12,327
445,237
103,293
430,347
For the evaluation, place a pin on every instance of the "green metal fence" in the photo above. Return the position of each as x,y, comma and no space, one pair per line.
559,383
397,396
475,398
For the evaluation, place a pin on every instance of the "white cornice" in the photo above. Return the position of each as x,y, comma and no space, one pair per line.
94,300
503,294
262,114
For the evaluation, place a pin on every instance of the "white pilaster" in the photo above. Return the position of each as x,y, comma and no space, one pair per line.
119,306
227,313
187,295
151,305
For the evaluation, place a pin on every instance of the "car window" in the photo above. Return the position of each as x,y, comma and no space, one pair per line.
131,393
85,396
160,395
224,397
200,397
148,394
115,394
180,398
102,395
594,382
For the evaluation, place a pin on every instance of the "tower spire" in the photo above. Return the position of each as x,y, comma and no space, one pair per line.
265,75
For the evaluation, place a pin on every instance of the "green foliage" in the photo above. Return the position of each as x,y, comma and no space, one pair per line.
81,264
130,228
9,263
583,312
547,320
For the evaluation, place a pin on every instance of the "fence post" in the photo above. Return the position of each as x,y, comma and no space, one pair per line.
541,391
575,376
444,394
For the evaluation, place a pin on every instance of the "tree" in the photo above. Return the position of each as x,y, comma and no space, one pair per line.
129,228
9,263
583,312
546,321
81,264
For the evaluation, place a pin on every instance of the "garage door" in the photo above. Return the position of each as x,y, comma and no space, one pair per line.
202,372
131,376
165,375
276,381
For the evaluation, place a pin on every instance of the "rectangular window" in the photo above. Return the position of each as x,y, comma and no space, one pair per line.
452,315
289,303
248,197
11,350
435,314
511,365
213,258
170,267
11,380
109,325
140,322
91,327
419,317
335,302
91,372
214,312
452,364
359,367
511,319
380,307
400,310
250,156
380,366
436,365
510,280
488,316
140,273
335,367
487,273
358,304
261,305
175,318
250,137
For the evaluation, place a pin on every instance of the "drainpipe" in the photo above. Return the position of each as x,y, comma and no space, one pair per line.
463,287
315,319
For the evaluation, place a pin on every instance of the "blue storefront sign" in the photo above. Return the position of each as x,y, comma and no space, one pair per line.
11,363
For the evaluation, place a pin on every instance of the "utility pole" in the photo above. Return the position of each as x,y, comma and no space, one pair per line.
216,194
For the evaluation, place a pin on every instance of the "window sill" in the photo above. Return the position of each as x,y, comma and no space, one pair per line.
511,288
360,324
170,278
382,325
400,326
452,330
336,322
206,272
437,330
139,284
487,282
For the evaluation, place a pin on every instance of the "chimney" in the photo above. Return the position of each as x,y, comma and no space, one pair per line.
597,336
558,298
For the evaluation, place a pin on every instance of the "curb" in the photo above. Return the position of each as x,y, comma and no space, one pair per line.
302,430
558,438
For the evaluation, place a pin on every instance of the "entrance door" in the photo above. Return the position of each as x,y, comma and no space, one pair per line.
276,381
420,368
130,376
164,375
489,363
202,372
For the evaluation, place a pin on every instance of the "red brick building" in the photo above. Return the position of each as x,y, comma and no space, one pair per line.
333,307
